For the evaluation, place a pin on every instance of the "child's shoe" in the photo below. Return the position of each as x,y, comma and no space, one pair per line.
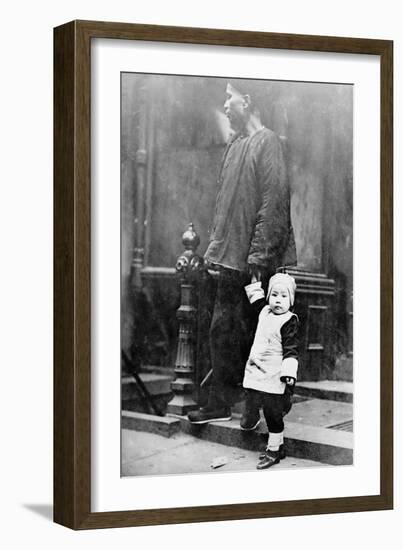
270,459
281,451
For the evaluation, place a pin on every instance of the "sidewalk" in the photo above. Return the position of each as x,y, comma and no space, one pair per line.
318,431
145,454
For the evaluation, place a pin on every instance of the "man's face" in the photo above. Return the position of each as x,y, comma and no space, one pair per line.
236,108
279,300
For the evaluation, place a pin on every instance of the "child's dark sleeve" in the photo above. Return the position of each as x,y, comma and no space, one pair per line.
256,297
289,340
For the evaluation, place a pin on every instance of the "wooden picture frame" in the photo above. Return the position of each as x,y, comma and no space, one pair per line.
72,272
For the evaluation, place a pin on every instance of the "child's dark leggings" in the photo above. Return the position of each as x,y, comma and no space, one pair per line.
273,407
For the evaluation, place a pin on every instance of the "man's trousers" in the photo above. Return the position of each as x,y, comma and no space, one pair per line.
231,335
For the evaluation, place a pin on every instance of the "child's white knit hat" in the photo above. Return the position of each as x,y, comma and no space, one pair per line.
287,281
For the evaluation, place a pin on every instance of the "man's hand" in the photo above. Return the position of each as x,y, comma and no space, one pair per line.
210,266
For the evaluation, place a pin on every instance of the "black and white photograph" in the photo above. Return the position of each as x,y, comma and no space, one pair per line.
201,265
236,274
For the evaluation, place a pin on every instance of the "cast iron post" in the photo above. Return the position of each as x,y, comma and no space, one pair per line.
189,267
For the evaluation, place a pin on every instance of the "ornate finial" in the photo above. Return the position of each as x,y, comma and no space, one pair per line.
190,238
190,262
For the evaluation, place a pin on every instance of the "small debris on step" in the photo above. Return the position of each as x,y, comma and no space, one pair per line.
238,456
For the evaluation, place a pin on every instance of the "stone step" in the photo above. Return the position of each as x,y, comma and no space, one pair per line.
160,425
157,384
334,390
308,433
323,413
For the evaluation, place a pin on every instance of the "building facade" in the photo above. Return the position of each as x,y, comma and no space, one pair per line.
173,133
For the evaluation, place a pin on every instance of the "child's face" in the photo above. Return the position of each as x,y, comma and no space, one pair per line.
279,299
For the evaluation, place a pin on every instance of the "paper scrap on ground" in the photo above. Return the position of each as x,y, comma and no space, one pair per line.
219,461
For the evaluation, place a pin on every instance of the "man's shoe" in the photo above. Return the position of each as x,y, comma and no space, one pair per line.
281,451
251,414
270,459
250,421
205,415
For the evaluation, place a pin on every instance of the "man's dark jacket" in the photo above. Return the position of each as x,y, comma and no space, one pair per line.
252,222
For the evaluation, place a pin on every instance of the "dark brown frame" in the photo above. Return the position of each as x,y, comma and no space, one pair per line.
72,320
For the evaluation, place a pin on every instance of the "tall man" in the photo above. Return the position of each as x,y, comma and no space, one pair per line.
251,237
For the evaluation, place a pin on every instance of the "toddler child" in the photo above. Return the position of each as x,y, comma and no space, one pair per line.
271,369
